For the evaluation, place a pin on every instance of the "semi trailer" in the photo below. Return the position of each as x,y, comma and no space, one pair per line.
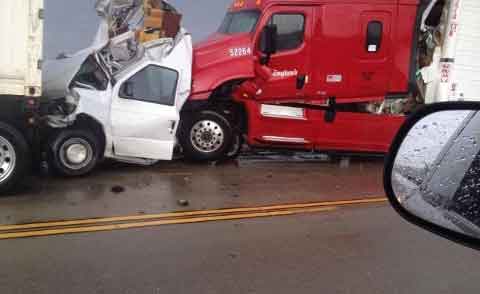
21,33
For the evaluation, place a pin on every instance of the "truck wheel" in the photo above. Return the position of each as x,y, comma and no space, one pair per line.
14,158
74,152
206,137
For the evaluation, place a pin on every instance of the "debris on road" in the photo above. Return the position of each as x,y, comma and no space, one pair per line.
118,189
183,202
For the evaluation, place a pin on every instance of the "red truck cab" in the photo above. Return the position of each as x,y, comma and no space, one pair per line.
297,74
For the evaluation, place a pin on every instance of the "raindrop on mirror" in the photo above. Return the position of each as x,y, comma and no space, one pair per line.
436,171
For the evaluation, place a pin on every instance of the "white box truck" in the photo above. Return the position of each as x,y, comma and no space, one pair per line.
21,40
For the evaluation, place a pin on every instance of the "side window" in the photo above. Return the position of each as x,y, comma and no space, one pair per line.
374,36
291,30
153,84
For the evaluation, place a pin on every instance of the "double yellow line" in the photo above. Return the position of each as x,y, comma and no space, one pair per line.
142,221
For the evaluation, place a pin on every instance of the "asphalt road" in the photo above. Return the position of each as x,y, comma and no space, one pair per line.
362,248
120,189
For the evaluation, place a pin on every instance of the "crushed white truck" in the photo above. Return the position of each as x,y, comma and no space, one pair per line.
121,97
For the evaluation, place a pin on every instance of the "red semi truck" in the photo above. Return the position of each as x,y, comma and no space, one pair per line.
302,74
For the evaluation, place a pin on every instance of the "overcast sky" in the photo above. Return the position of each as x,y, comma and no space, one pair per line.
71,24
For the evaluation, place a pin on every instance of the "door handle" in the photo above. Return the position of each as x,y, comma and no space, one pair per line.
173,124
301,81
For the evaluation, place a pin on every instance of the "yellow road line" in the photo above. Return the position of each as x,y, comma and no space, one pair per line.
200,219
198,213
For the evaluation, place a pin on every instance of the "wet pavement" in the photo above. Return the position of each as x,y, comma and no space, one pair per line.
343,249
118,189
358,250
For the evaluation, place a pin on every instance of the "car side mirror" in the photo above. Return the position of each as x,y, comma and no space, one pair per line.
127,89
268,42
432,173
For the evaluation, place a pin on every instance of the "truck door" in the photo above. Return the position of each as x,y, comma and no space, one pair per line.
144,116
351,52
286,74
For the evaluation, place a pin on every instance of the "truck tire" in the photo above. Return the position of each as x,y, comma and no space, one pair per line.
74,152
15,158
206,136
236,146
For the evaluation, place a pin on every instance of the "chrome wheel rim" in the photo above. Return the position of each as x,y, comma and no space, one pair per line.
8,159
76,153
207,136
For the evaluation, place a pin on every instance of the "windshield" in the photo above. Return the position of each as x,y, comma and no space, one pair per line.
239,22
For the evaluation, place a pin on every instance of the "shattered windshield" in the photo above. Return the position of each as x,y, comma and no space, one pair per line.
239,22
91,75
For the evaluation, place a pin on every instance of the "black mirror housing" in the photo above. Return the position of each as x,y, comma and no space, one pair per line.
268,40
432,171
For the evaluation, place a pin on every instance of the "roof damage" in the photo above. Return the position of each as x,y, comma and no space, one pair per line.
130,32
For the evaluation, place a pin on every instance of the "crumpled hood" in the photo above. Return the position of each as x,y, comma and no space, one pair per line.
59,73
120,15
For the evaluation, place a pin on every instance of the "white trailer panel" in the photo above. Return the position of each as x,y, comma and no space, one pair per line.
21,42
467,58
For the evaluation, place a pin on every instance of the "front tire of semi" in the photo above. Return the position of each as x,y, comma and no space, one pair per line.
74,152
15,158
207,136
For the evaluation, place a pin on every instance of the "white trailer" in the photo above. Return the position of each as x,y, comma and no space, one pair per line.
21,32
454,74
21,40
